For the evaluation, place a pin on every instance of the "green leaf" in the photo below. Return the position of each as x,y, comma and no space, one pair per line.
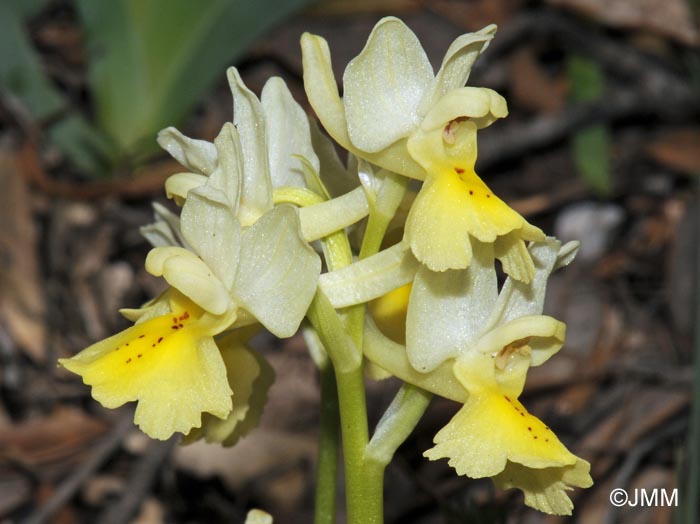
21,72
591,145
150,62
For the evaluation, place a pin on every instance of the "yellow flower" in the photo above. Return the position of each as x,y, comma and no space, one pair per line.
169,364
493,435
231,259
399,115
474,346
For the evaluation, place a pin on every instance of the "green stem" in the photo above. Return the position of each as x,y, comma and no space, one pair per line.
363,495
328,447
396,425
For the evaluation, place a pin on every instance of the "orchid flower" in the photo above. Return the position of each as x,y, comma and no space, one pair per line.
493,340
398,115
230,255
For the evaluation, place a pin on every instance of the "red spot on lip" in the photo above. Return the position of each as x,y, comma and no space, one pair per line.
128,360
529,428
459,170
506,397
174,327
160,340
141,336
471,192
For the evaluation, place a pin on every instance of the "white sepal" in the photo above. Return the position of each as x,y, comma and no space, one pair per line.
256,187
196,155
288,134
447,310
383,86
278,274
457,65
211,229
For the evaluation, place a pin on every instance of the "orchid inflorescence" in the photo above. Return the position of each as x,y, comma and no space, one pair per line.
407,288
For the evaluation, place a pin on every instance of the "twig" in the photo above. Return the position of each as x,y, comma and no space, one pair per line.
139,484
71,485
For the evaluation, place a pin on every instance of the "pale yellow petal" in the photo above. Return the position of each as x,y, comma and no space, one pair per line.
481,105
518,299
392,357
228,176
177,186
516,260
211,228
190,275
447,310
249,377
